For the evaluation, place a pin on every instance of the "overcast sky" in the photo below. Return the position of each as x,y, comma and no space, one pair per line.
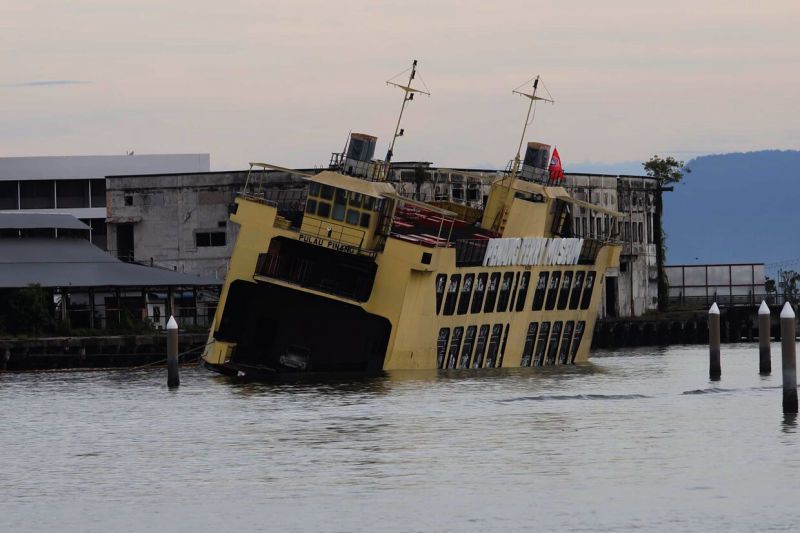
284,81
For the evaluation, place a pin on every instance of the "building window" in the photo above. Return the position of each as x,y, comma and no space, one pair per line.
587,290
466,352
530,340
441,346
552,291
522,292
480,290
541,289
98,187
455,347
8,195
205,239
72,193
466,292
480,346
37,194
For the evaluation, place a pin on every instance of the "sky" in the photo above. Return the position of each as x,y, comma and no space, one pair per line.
285,81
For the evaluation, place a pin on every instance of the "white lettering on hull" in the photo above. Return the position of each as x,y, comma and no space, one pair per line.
532,251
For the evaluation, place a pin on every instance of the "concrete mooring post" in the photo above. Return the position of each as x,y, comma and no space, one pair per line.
764,354
173,372
714,368
789,360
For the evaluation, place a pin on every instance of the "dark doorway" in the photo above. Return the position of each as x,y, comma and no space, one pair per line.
125,242
611,297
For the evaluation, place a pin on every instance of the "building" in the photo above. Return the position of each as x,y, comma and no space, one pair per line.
180,221
89,288
728,285
76,185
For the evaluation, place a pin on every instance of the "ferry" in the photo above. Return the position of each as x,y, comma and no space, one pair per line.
357,278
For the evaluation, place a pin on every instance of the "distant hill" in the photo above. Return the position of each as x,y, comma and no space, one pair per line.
736,208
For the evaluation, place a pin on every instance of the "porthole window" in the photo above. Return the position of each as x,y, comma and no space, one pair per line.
522,293
441,346
577,290
552,291
541,344
452,294
480,291
491,292
541,290
466,292
480,346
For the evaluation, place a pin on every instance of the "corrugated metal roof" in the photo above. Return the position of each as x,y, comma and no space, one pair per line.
40,220
78,263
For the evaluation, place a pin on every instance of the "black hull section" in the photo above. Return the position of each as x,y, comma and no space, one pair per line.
281,330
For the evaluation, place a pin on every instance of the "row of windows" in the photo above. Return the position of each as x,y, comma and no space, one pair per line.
508,291
52,194
549,346
351,216
345,206
472,347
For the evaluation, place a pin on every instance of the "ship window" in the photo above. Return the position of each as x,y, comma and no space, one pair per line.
505,291
452,294
338,212
311,206
541,344
369,202
491,292
441,279
552,349
563,353
466,292
503,346
326,192
541,288
354,200
324,209
577,289
455,347
552,291
480,346
587,290
466,352
522,293
341,196
441,346
352,217
576,342
493,346
313,189
364,223
480,290
530,340
563,294
513,292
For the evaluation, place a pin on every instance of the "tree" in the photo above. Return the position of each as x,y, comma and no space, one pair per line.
666,171
28,311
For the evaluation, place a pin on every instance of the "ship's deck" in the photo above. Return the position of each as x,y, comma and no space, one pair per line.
415,224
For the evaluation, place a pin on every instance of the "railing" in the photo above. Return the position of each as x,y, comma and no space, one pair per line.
113,317
726,300
471,252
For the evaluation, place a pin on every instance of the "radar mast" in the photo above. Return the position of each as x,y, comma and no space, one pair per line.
407,97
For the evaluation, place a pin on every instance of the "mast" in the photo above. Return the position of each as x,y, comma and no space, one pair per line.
533,98
407,97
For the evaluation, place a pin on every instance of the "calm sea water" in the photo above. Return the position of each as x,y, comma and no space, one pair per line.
637,440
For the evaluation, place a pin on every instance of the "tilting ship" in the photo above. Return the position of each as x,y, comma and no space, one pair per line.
357,278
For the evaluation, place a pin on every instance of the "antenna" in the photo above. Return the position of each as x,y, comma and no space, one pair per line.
407,97
533,98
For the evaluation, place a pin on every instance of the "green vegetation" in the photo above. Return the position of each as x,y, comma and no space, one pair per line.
666,170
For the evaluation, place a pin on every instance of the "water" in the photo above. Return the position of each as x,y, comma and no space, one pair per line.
637,440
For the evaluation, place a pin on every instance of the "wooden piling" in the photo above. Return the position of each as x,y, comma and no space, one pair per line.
714,368
173,371
764,354
789,360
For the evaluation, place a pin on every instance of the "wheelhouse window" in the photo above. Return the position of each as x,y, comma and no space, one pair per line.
311,206
364,222
541,289
441,346
587,290
552,349
480,291
494,346
552,291
452,294
577,290
326,192
455,347
324,209
505,291
466,292
480,346
352,217
541,344
522,292
491,292
563,294
530,340
563,353
441,281
466,352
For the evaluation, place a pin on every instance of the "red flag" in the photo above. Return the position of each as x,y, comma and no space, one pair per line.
556,171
